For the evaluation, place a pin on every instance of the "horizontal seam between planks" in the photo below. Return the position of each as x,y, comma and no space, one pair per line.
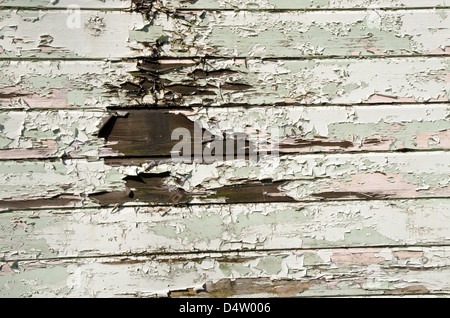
187,205
237,105
407,151
206,57
241,252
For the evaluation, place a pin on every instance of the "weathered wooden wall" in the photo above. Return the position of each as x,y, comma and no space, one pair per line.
356,204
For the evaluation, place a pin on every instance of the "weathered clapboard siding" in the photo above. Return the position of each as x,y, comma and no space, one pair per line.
218,5
230,4
71,133
330,272
270,179
92,204
47,234
191,82
104,34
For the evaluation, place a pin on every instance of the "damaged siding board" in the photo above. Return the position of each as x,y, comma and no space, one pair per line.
286,179
141,133
128,231
384,271
329,81
304,34
115,34
147,133
223,82
271,179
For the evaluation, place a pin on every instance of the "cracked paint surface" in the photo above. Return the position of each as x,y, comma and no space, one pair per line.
383,271
92,204
130,230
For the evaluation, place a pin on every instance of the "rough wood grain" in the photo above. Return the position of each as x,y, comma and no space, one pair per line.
216,82
409,271
96,232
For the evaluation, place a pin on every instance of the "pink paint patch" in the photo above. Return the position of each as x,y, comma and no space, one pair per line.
357,257
447,77
408,254
440,98
440,138
441,51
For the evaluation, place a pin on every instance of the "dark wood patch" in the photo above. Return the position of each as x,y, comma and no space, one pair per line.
34,203
153,189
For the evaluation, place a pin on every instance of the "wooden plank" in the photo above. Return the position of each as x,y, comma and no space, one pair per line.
409,271
64,4
54,183
303,34
301,4
191,82
287,178
62,84
298,129
147,133
269,179
68,34
50,134
106,34
222,228
258,82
